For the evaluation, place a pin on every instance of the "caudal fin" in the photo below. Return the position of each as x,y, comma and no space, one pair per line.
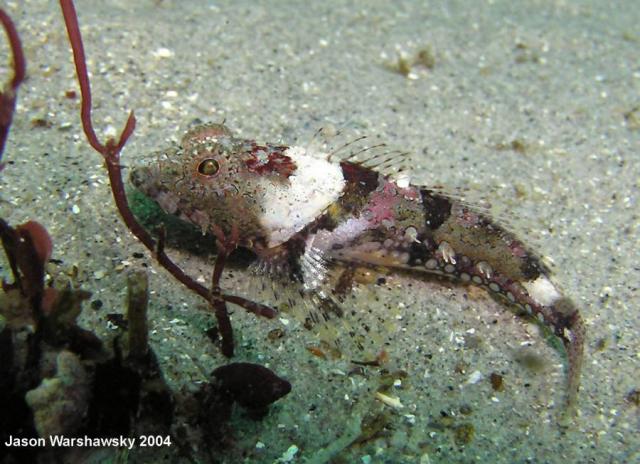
570,328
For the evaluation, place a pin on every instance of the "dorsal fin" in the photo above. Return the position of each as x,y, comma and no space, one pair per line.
349,145
483,204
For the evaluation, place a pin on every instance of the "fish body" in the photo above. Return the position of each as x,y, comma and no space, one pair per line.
301,212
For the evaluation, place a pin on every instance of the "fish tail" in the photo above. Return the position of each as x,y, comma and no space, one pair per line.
570,328
543,300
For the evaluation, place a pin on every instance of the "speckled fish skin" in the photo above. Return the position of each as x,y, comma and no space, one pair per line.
300,213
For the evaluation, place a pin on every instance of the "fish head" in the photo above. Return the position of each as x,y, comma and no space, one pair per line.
215,181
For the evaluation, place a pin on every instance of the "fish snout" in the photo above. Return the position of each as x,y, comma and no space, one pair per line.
142,178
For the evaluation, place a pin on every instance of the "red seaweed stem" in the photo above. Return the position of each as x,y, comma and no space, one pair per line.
111,154
9,93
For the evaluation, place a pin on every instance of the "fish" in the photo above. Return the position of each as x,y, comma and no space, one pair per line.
304,212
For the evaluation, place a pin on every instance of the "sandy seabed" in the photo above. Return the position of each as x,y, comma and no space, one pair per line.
532,105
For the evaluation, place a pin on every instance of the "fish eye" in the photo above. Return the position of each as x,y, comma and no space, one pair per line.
208,167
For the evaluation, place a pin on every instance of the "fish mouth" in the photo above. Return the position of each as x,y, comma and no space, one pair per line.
146,180
140,177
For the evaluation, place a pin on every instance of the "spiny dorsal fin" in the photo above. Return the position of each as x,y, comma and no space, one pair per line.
349,145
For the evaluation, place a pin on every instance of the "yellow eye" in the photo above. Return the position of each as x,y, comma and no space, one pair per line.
208,167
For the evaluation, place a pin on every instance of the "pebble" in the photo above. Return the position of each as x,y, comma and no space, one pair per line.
99,274
288,455
389,400
475,377
163,52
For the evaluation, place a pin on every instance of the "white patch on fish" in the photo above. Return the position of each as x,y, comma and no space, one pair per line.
290,206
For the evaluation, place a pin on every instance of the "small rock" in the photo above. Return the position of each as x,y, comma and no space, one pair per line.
288,455
475,377
497,382
163,52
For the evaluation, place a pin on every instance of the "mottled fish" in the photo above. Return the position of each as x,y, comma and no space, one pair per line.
301,212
